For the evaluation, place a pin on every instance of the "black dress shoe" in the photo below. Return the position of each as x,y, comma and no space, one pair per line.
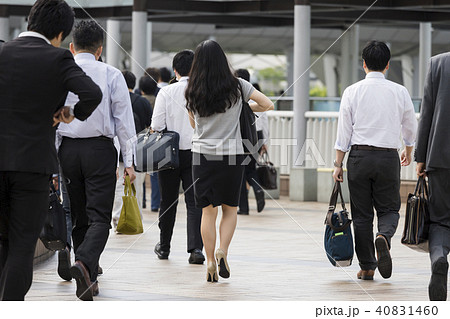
437,289
95,290
260,202
196,257
383,257
242,213
64,264
155,210
161,253
81,276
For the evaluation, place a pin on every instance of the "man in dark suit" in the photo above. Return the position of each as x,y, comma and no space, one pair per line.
433,159
27,136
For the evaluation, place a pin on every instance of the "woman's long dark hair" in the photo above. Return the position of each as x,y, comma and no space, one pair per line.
212,87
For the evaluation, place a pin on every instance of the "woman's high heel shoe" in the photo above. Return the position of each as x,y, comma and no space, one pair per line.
224,269
211,273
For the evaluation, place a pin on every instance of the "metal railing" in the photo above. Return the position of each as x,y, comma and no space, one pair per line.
321,131
324,104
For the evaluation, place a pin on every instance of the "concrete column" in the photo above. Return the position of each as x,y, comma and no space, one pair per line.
289,52
24,24
139,38
424,53
4,28
345,62
302,52
329,71
416,89
149,43
113,41
354,59
16,33
408,73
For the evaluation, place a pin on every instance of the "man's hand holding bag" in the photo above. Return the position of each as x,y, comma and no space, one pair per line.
130,222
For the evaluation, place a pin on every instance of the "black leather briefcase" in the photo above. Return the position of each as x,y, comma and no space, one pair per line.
54,233
266,172
158,151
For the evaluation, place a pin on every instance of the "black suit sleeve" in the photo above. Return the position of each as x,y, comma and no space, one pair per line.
426,117
76,81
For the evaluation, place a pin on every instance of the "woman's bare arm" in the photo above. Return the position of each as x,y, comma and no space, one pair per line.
261,102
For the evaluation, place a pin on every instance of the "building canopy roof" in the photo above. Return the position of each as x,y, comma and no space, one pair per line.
260,13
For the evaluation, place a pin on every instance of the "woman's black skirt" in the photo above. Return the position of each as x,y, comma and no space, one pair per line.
217,179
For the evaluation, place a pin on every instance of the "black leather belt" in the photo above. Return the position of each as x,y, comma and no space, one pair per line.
101,138
372,148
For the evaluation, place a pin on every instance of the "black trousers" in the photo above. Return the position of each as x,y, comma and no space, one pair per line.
251,177
439,207
89,167
374,182
24,199
169,184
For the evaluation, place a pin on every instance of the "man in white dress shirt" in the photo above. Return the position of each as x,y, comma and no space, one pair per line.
374,114
89,159
170,113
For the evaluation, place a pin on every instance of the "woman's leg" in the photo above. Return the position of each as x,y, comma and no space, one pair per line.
227,226
208,230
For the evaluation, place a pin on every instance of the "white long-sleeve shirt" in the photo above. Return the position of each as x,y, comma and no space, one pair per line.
114,115
170,112
376,112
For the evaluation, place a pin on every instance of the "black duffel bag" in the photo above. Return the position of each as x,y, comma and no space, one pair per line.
54,233
338,239
157,151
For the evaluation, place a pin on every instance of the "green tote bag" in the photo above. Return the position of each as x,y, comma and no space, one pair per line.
130,222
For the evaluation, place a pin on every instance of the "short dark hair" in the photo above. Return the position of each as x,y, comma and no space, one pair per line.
376,54
165,73
154,73
130,78
147,85
50,18
243,74
87,35
182,62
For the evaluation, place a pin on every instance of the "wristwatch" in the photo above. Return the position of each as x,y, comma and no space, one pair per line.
338,165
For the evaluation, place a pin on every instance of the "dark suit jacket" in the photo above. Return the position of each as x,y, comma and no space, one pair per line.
35,78
433,135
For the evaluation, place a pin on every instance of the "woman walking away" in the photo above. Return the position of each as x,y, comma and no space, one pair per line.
214,100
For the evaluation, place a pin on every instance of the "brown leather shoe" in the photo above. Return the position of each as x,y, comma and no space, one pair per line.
366,274
81,275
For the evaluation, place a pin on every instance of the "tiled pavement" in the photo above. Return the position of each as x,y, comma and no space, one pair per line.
275,255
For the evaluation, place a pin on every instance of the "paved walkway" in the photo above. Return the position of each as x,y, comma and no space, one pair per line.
275,255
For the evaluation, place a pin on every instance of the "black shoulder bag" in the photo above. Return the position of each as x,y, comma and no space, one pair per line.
247,123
